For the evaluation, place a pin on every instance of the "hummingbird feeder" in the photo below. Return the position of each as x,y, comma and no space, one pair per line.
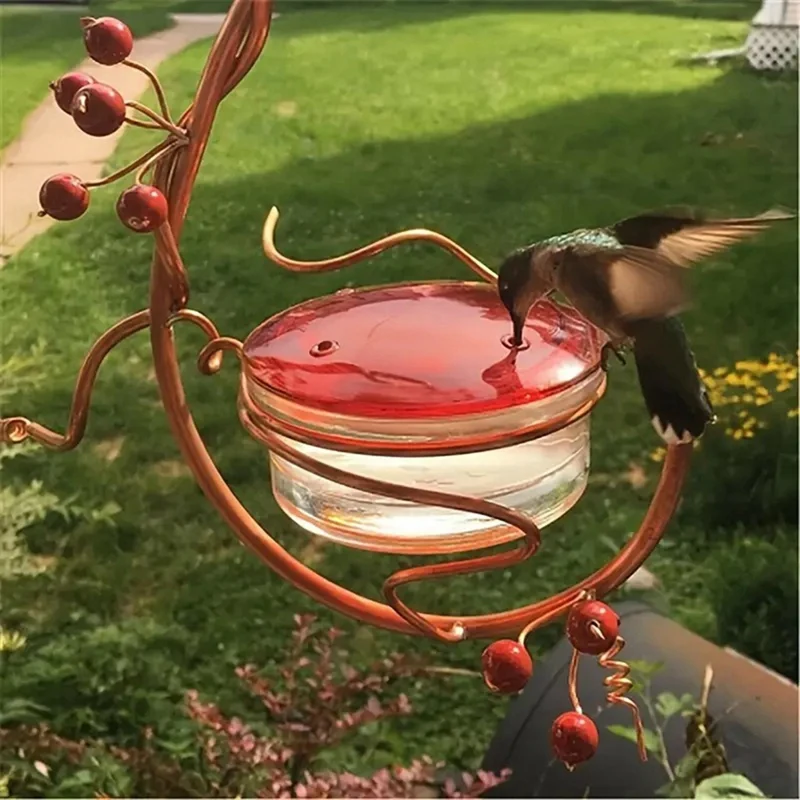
398,419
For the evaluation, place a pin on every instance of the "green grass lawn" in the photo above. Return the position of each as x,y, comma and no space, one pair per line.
36,46
493,127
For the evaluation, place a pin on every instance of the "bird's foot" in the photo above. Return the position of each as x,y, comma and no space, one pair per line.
605,353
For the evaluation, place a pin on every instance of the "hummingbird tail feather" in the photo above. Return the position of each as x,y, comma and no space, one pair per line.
673,392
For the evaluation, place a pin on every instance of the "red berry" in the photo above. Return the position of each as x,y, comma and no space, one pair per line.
67,86
108,41
63,197
142,208
507,666
98,110
592,627
574,738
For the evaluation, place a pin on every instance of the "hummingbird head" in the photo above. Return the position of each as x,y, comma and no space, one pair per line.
520,284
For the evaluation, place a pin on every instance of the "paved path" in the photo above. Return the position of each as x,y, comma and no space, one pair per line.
50,142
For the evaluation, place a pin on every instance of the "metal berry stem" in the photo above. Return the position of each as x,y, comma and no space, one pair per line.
155,83
572,680
147,158
140,123
178,133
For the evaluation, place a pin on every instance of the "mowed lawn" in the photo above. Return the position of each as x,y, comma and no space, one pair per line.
493,127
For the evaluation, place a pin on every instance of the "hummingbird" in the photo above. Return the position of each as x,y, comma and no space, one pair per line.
629,280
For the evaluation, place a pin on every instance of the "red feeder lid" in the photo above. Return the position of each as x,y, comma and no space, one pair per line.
420,351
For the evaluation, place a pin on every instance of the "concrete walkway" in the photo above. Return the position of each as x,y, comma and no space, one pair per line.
50,142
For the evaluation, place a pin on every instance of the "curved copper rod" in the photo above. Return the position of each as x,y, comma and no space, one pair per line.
431,498
14,430
196,318
209,360
447,569
243,33
369,250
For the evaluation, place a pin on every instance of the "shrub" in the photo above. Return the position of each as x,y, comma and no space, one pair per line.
755,598
315,703
96,683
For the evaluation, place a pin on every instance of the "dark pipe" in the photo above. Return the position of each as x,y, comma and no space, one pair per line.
757,711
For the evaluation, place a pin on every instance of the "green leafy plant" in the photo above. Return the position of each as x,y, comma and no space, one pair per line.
308,705
703,771
755,593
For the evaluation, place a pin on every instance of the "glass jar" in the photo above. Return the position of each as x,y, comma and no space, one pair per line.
410,372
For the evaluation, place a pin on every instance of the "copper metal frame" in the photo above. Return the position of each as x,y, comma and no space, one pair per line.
236,49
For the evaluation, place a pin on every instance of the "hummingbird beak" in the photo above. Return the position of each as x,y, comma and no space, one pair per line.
519,309
519,287
518,323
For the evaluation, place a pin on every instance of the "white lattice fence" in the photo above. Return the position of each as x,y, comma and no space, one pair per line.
772,43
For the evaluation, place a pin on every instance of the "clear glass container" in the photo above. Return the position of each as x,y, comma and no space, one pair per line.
409,371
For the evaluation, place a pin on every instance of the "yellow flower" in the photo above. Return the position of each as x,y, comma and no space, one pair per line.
748,366
747,398
762,401
11,640
737,434
658,455
720,371
793,413
783,386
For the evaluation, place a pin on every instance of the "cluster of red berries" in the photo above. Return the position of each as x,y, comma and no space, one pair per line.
592,628
99,110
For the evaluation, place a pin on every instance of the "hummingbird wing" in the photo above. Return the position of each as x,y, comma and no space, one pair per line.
685,237
613,285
